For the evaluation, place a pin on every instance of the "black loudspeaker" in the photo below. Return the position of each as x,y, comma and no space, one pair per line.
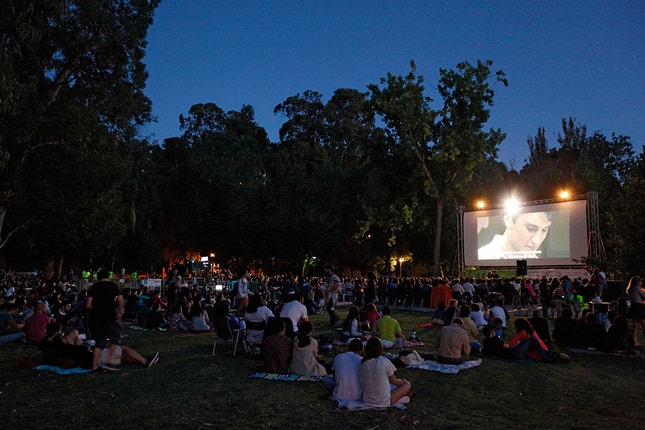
521,268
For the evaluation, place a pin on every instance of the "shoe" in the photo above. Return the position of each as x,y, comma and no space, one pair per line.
109,367
152,360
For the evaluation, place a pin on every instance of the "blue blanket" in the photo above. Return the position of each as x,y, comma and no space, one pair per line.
61,371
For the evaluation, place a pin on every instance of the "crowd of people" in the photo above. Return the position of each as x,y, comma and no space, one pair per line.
80,324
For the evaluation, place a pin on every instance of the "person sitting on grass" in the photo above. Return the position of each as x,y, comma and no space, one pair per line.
276,347
453,345
389,330
304,359
438,317
565,327
540,325
377,377
347,373
199,321
352,325
526,343
477,316
155,319
178,320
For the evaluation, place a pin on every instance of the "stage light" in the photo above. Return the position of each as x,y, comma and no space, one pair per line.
564,194
512,206
480,204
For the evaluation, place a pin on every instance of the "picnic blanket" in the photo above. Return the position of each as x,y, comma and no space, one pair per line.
355,405
62,371
409,344
446,368
284,377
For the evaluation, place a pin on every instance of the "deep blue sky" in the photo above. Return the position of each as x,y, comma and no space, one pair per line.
584,59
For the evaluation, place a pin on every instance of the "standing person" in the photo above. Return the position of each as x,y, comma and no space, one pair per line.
333,287
105,305
171,289
377,376
637,308
243,292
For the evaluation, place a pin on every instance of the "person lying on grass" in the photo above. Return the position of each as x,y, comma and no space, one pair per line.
58,350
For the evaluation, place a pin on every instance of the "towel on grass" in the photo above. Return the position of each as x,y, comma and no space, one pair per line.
285,377
446,368
355,405
62,371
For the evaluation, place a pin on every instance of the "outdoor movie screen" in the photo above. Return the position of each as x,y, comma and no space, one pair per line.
552,234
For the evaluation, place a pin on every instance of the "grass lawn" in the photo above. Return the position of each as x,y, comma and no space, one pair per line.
190,389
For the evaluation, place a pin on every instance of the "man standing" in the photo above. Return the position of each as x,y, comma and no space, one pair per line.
105,305
333,287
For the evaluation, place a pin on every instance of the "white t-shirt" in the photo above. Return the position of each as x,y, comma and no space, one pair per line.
498,312
294,310
347,373
375,374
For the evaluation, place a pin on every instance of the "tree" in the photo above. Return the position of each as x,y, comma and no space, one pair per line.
71,79
448,144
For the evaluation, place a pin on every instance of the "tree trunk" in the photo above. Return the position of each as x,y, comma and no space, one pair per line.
436,257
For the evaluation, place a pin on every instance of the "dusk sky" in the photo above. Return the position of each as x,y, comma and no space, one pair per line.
581,59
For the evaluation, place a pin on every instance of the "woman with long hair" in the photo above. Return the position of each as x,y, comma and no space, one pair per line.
352,324
304,360
377,373
636,308
526,343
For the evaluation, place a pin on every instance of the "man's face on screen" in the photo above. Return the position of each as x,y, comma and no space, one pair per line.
527,232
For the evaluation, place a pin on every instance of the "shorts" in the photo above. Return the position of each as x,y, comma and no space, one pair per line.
636,311
103,332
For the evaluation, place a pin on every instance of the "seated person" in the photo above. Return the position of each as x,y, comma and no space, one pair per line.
452,345
276,347
452,311
565,327
178,320
9,327
389,330
526,343
493,346
371,314
58,351
438,317
347,367
36,324
223,308
199,320
352,325
144,312
619,336
377,377
256,312
590,334
155,319
540,325
498,328
304,358
477,316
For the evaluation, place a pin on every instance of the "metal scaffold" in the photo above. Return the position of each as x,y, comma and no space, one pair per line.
595,246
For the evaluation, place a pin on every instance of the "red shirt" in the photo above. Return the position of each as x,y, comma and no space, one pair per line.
35,327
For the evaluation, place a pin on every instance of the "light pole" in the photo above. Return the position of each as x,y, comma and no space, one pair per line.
400,267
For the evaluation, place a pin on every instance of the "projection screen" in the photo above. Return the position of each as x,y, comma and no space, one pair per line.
551,234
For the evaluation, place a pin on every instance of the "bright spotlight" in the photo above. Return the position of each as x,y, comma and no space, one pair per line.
512,206
480,204
564,194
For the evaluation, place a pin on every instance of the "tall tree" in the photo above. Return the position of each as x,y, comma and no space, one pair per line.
72,79
449,144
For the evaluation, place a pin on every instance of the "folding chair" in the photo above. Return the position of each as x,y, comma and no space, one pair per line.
225,331
254,334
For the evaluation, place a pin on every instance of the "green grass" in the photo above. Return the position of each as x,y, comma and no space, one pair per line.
190,389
